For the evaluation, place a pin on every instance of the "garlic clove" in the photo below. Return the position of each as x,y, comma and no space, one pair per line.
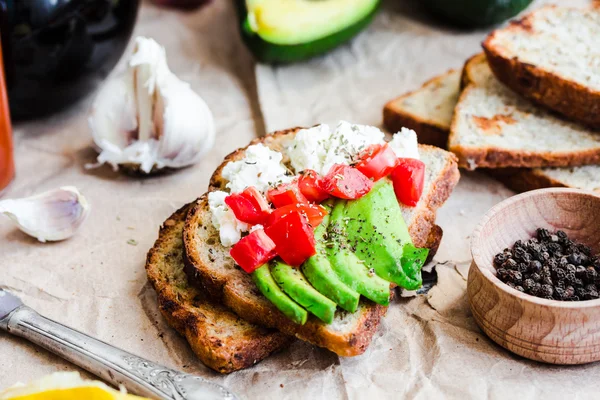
148,118
50,216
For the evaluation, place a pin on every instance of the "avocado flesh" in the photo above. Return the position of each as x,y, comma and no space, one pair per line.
269,52
292,282
268,287
292,22
318,271
476,13
379,236
350,269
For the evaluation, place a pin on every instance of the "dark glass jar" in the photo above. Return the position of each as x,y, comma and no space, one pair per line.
56,51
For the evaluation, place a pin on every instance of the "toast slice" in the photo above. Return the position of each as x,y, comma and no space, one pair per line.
222,340
208,263
523,179
493,127
551,56
427,110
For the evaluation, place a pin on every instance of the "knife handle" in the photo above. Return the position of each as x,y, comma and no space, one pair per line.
110,363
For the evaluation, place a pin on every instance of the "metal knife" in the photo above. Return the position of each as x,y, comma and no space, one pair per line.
119,367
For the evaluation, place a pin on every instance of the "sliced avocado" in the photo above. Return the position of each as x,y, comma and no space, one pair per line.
318,271
294,30
267,286
377,232
350,269
297,287
475,13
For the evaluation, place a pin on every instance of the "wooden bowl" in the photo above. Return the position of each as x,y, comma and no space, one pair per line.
550,331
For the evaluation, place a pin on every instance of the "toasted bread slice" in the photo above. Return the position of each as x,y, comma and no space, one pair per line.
551,56
222,340
523,179
427,110
209,263
493,127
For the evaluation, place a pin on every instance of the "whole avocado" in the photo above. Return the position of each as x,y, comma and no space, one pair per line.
476,13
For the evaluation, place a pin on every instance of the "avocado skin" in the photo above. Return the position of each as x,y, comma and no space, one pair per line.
292,282
350,269
318,271
266,284
271,53
379,236
476,13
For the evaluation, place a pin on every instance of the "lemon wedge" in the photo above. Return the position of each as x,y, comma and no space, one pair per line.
64,386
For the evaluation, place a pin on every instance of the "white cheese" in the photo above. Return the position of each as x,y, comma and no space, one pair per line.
261,167
229,227
319,148
308,148
404,144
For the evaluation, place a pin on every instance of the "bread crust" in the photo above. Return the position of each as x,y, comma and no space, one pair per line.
194,316
428,132
571,99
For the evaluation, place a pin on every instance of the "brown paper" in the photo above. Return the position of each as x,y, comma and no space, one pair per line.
426,347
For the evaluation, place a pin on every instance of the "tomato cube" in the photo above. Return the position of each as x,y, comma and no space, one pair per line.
314,213
253,250
286,194
294,238
310,184
345,182
377,161
409,179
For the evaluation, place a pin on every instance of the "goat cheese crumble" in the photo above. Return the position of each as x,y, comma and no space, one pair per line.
223,219
319,148
261,167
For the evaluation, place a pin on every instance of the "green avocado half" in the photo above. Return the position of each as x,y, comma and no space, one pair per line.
284,31
475,13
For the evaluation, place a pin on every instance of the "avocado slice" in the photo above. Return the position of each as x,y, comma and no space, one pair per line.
282,31
297,287
379,236
266,284
318,271
350,269
476,13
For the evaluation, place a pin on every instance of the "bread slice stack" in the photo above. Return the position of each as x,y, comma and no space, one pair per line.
509,103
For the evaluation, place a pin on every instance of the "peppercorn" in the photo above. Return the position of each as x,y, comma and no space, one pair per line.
551,266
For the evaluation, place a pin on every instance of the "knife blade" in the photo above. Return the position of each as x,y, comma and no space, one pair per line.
104,360
8,303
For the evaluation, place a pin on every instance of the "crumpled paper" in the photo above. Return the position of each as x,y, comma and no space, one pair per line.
426,347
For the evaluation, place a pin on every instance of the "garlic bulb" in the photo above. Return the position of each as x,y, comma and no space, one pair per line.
49,216
147,118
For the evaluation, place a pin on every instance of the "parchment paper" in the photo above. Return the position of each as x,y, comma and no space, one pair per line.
426,347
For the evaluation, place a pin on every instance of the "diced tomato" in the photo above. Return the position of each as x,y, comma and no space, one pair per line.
314,213
310,184
257,199
249,206
377,161
253,250
294,238
346,182
409,178
286,194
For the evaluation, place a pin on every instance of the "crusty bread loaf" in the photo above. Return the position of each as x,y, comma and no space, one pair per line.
493,127
551,56
209,265
427,110
222,340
